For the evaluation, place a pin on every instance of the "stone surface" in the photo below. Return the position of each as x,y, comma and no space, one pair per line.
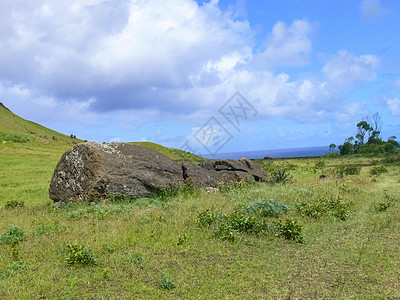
133,170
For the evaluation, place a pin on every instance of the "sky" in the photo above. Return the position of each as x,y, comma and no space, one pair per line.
203,76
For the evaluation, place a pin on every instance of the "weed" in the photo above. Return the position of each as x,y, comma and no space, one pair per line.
378,170
319,165
109,248
290,230
280,174
182,239
266,208
349,169
241,222
382,206
14,204
166,283
317,208
11,137
78,255
49,229
13,235
106,273
206,218
137,259
224,232
15,267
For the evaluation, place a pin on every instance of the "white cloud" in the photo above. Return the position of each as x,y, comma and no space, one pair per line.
372,9
346,69
132,62
394,106
351,111
287,46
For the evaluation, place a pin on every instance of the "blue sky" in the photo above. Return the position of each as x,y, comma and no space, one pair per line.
168,71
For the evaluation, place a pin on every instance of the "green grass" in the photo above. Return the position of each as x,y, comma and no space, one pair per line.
15,129
156,248
172,153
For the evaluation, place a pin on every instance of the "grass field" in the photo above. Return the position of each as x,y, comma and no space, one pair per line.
176,247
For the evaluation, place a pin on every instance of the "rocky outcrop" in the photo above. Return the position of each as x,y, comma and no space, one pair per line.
133,170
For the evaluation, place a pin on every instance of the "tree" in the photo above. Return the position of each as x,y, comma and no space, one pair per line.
332,147
362,129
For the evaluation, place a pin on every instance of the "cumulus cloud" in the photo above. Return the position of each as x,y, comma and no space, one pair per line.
287,45
394,106
130,62
372,9
346,69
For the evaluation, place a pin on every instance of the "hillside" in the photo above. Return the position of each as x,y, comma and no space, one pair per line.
172,153
16,129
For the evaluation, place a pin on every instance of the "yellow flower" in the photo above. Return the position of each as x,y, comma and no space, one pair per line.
4,142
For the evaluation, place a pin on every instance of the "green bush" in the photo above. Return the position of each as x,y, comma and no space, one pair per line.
280,174
382,206
206,218
349,169
378,170
17,138
13,235
14,204
16,267
166,283
266,208
241,222
321,206
290,230
78,255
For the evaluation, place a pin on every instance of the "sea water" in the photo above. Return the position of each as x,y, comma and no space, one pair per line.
289,152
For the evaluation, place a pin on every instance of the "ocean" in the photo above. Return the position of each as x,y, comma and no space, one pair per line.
289,152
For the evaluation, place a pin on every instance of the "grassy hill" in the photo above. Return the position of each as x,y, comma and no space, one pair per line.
18,130
174,154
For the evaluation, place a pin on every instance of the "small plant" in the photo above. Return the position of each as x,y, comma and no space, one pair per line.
12,236
166,283
78,255
280,174
182,239
266,208
319,165
349,169
378,170
225,233
290,230
14,204
137,259
206,218
15,267
382,206
241,222
109,248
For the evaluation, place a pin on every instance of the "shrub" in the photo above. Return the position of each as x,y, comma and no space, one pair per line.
224,232
11,137
290,230
13,235
241,222
317,208
166,283
15,267
378,170
78,255
349,169
205,218
14,204
266,208
280,174
382,206
320,164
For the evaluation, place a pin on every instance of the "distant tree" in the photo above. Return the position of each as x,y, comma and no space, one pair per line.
332,147
362,129
346,148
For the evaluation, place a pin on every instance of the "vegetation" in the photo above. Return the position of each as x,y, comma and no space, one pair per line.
368,139
301,238
174,154
263,239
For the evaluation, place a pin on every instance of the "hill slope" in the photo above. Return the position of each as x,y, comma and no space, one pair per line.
172,153
16,129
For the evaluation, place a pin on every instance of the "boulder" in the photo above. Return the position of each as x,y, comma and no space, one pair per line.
125,169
